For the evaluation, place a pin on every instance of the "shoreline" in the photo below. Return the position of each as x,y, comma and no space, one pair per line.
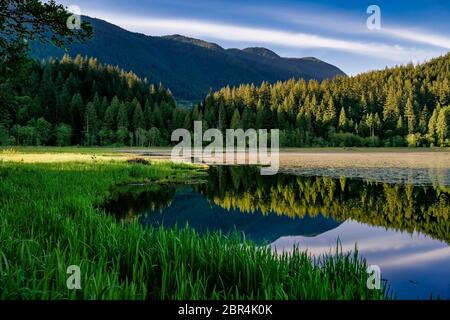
289,158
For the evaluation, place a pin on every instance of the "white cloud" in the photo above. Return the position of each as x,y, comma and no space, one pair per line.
347,24
418,36
262,36
383,247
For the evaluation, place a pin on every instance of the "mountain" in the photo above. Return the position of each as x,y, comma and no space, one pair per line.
189,67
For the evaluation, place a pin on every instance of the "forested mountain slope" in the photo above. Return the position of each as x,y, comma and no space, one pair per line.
392,107
189,67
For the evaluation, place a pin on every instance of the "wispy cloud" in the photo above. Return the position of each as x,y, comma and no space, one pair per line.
347,24
264,36
419,36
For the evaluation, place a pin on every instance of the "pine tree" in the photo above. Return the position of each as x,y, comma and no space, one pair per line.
91,125
148,113
236,120
77,110
138,117
47,94
122,116
98,106
342,120
178,118
246,119
259,122
304,125
432,126
62,102
209,115
281,118
410,116
330,113
400,126
423,121
102,109
391,110
222,121
159,123
363,105
122,133
110,118
443,125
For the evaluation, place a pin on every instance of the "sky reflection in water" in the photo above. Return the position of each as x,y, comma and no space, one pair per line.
403,229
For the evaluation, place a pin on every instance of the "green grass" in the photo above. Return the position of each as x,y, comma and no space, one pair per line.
77,149
45,149
49,219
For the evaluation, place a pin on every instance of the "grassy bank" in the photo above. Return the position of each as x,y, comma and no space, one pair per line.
49,219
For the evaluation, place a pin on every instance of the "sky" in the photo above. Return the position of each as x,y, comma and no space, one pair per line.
334,31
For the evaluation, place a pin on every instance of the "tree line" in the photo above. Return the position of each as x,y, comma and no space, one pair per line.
404,105
83,102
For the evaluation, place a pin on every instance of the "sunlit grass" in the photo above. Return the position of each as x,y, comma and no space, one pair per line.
49,219
67,154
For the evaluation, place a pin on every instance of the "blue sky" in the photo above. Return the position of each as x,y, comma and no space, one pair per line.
334,31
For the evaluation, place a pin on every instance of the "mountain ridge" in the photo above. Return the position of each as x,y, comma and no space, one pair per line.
189,67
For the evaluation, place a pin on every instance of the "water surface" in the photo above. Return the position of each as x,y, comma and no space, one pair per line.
404,228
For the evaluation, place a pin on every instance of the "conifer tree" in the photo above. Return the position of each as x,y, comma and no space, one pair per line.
236,120
91,124
342,120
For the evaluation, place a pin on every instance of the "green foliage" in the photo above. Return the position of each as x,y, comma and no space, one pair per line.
154,137
235,120
443,126
21,22
37,20
90,129
63,133
375,108
414,140
138,117
5,139
109,114
348,139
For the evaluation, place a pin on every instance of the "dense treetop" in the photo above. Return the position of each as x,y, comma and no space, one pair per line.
80,101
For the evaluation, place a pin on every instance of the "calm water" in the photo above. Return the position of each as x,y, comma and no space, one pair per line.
405,229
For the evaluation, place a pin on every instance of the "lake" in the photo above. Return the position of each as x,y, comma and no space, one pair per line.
403,226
